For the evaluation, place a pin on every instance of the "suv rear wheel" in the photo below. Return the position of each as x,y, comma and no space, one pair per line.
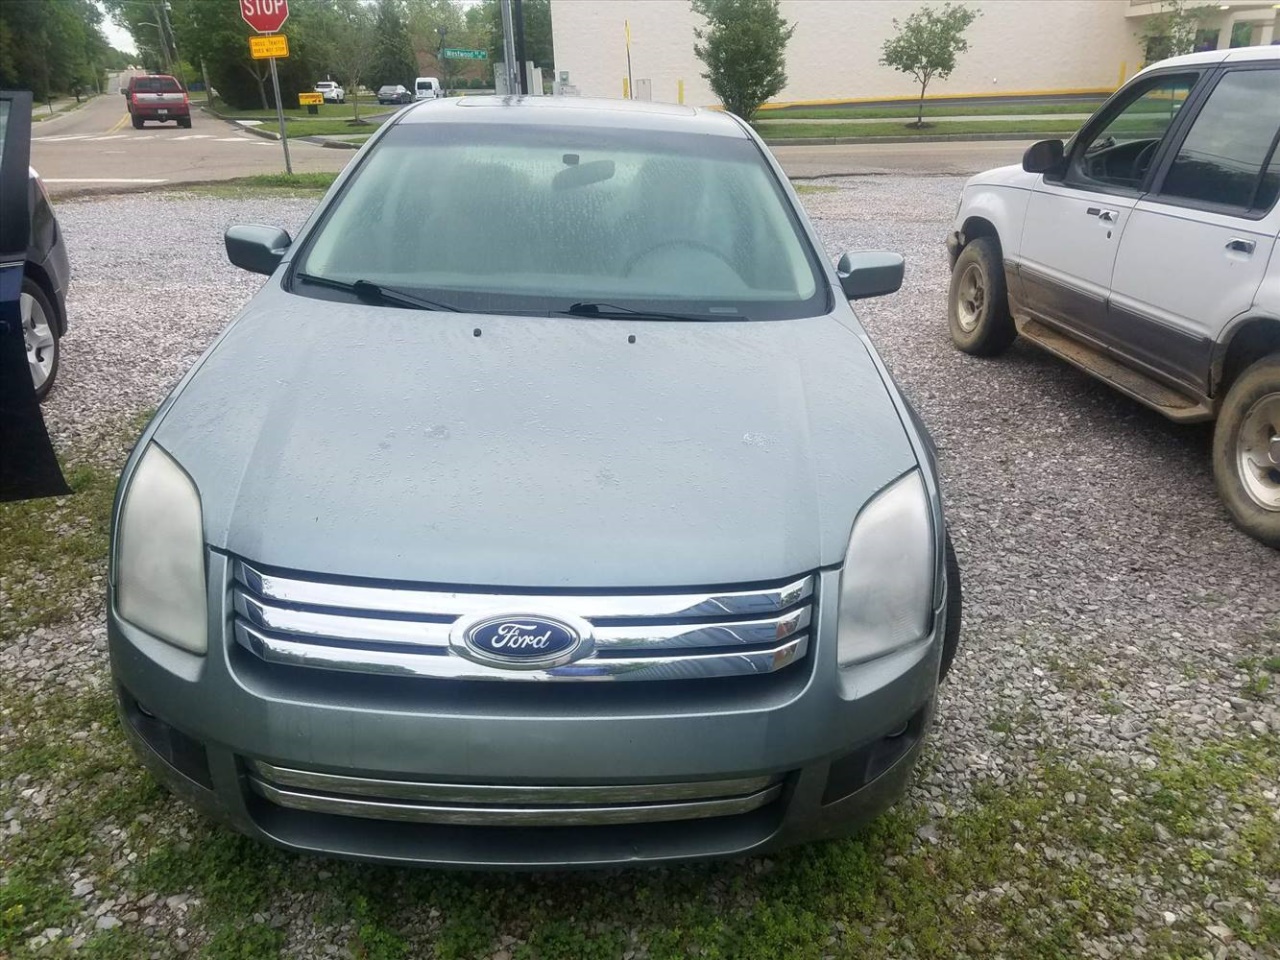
978,305
1246,451
137,123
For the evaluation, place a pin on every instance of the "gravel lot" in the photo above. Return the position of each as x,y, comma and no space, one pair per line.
1115,621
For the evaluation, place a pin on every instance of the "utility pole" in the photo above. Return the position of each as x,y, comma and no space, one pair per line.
163,10
517,15
509,49
444,64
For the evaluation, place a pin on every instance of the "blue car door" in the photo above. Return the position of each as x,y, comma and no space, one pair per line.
28,466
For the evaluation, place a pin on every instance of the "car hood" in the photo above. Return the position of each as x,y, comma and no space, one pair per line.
1010,176
462,449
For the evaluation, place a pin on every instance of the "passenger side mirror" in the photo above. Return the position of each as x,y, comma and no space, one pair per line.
864,275
1043,157
256,248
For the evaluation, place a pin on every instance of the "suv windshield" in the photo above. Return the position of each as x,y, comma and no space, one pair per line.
515,218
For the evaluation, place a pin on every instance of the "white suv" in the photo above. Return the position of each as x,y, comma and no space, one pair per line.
331,92
1142,252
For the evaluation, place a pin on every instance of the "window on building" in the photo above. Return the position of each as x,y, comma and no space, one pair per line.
1206,40
1120,152
1242,34
1222,159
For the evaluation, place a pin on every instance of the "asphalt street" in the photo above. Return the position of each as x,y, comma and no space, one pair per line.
96,149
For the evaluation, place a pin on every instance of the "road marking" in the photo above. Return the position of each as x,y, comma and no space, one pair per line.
194,136
120,123
70,136
118,136
101,180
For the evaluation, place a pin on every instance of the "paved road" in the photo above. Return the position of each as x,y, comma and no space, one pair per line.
900,158
96,148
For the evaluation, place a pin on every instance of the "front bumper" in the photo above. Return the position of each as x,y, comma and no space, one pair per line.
815,752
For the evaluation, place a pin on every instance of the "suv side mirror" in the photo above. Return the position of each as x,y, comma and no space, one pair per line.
864,275
256,248
1043,157
124,91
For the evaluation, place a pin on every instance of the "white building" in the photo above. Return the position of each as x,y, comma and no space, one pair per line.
1015,46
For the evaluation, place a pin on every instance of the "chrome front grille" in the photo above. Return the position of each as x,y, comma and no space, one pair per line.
508,806
407,631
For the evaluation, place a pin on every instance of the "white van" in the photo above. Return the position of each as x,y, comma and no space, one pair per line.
427,88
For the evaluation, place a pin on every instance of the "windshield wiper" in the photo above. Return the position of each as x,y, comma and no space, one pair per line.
611,311
371,292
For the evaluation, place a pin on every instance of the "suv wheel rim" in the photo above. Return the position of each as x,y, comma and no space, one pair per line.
1258,452
972,297
39,340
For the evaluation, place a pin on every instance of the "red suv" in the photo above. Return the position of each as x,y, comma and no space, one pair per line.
157,97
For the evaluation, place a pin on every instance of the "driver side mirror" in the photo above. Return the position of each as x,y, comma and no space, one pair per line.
256,248
1044,157
864,275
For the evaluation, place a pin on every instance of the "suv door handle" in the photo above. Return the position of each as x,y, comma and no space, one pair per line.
1240,245
1108,216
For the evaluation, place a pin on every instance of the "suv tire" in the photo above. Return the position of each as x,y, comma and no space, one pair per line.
951,627
40,329
137,123
1246,451
184,122
978,304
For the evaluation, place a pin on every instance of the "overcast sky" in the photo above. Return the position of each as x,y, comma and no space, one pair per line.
117,36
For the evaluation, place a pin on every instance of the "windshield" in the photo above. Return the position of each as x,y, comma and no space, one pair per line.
514,218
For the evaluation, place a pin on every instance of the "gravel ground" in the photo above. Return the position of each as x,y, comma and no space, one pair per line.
1109,601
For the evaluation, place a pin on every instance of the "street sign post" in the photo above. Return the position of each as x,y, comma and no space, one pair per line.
268,16
457,53
265,16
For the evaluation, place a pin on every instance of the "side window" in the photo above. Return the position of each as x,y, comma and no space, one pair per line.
1231,143
1119,153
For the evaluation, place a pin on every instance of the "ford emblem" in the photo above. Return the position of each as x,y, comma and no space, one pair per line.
524,641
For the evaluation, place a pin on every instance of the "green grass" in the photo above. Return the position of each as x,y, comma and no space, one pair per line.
324,111
805,189
263,185
908,111
1029,129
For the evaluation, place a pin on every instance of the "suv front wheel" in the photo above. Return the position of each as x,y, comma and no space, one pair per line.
1246,451
978,305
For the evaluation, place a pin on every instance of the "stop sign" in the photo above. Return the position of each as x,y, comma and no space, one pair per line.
265,16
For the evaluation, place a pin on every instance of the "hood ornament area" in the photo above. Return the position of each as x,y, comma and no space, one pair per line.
518,641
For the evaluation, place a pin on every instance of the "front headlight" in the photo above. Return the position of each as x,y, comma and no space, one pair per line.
160,578
886,586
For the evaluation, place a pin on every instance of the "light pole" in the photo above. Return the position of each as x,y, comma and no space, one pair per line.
164,43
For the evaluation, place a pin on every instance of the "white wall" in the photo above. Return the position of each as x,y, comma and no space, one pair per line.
1015,46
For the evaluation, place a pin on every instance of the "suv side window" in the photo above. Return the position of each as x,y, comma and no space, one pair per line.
1119,153
1231,143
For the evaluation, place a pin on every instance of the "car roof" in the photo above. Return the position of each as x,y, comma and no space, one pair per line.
576,112
1233,55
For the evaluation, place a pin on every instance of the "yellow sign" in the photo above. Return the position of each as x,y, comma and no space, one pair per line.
272,45
307,99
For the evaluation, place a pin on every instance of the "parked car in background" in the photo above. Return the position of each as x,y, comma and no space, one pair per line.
427,88
641,559
394,93
44,289
332,92
1143,252
157,97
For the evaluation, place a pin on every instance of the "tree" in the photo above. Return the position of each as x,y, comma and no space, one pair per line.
1172,32
926,45
744,47
393,60
345,40
537,32
52,47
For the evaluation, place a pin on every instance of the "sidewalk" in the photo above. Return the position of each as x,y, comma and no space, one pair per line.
1011,118
62,105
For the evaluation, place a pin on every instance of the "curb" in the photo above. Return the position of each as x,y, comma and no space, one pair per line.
330,143
923,138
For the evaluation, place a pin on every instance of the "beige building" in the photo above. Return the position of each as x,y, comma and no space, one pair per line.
1015,46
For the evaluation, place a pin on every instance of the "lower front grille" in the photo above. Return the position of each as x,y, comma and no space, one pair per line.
509,806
